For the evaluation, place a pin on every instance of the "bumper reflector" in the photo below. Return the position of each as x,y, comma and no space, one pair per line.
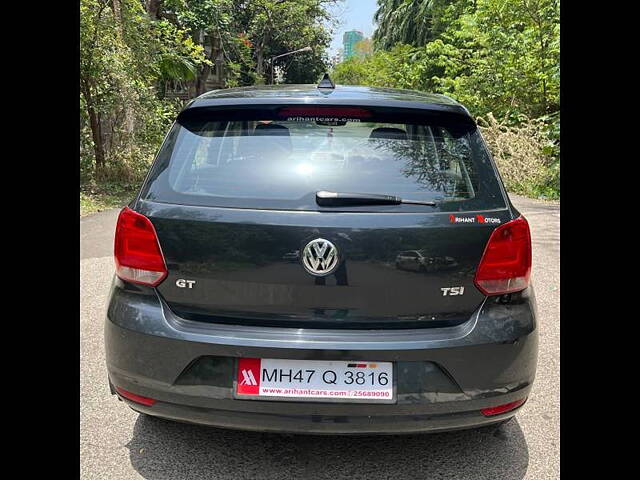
507,407
135,398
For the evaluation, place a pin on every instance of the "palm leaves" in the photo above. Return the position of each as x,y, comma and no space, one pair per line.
404,21
177,67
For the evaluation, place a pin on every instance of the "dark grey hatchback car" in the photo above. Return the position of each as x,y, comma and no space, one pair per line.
323,260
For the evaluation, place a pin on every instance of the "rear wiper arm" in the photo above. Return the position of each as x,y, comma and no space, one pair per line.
339,199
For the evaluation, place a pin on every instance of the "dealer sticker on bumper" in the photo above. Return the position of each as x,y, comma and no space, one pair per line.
273,379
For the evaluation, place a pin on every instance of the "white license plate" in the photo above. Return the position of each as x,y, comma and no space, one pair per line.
334,381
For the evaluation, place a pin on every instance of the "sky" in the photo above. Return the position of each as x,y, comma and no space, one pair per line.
352,15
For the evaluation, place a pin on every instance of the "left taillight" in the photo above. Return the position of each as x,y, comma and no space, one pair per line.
137,251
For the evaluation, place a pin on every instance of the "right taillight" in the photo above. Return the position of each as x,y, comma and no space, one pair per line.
506,263
504,408
137,251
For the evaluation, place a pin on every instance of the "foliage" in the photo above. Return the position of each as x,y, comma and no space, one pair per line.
250,33
499,56
123,56
522,156
130,49
216,21
396,68
505,57
364,47
275,28
412,22
493,56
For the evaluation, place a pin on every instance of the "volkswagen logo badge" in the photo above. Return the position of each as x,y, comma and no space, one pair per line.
320,257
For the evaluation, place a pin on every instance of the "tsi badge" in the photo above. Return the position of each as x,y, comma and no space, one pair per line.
182,283
452,291
320,257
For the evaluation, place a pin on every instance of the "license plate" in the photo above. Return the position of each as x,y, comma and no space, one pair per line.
333,381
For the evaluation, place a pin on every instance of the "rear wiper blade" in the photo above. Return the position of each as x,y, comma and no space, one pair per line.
339,199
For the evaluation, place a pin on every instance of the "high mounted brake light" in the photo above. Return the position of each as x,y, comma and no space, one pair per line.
137,251
313,111
506,263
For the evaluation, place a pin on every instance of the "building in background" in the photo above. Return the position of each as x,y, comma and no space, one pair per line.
349,40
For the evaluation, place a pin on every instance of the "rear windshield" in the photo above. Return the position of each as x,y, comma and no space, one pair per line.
282,161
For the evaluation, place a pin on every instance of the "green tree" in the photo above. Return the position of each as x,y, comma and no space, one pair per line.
276,27
397,68
129,49
364,47
216,25
497,57
249,33
412,22
123,56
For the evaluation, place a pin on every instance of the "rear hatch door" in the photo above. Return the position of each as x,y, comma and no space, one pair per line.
233,204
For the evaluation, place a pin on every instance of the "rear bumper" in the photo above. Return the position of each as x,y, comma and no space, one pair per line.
308,423
444,376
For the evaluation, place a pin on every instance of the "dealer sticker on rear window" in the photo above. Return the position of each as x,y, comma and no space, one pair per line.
275,379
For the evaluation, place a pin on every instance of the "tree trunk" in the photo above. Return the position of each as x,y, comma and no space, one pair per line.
117,13
129,121
201,80
260,62
153,9
96,130
203,74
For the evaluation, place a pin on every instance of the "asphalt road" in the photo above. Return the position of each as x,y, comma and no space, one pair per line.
116,443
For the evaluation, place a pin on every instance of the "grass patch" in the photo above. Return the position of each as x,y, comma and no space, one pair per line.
98,197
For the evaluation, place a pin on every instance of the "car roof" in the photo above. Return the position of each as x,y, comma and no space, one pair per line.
340,95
